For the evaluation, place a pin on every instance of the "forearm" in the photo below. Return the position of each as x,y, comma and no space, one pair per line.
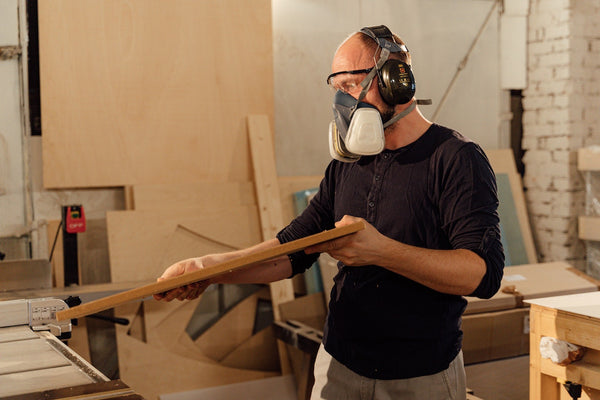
263,272
448,271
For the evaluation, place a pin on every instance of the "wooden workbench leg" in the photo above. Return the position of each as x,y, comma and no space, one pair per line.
541,386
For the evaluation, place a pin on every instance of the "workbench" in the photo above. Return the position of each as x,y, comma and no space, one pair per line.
574,319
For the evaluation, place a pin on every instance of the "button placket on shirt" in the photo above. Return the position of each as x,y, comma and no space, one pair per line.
382,162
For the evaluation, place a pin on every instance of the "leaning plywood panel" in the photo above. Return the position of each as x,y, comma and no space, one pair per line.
517,238
154,370
138,241
152,91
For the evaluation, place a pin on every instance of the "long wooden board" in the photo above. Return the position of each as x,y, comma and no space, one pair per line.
218,269
269,206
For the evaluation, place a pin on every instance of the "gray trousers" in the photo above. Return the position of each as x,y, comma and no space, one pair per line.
333,381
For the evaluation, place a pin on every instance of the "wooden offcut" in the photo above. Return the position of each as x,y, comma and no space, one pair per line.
207,273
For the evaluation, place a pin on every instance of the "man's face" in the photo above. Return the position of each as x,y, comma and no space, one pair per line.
355,58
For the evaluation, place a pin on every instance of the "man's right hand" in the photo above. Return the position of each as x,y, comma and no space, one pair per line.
188,292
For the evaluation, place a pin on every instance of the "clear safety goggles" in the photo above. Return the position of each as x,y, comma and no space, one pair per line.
348,81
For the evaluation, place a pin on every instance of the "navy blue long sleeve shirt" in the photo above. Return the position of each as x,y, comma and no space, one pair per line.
437,193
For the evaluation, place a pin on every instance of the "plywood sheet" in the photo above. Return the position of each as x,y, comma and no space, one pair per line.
546,279
193,195
514,220
233,328
258,352
152,91
139,240
152,370
586,304
185,243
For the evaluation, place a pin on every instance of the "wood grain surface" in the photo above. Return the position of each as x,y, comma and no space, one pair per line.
218,269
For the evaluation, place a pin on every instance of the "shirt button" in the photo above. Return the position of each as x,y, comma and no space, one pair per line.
377,177
371,204
386,156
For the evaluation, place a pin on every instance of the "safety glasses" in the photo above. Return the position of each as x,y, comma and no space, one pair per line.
347,81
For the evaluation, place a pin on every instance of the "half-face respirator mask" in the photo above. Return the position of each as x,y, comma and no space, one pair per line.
357,128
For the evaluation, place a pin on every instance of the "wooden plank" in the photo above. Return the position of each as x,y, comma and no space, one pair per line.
216,270
581,372
58,267
268,197
265,175
589,228
588,159
269,206
180,118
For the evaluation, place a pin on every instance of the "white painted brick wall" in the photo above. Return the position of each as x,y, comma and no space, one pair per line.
561,114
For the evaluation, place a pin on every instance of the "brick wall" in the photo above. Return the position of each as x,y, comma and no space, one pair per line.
561,114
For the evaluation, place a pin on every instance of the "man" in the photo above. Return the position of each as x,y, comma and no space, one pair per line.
430,207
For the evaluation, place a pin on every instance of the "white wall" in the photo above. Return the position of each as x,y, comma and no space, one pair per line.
437,32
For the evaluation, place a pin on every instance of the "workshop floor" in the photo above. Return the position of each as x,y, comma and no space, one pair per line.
506,379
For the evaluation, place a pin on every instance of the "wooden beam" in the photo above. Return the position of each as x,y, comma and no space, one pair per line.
216,270
269,207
